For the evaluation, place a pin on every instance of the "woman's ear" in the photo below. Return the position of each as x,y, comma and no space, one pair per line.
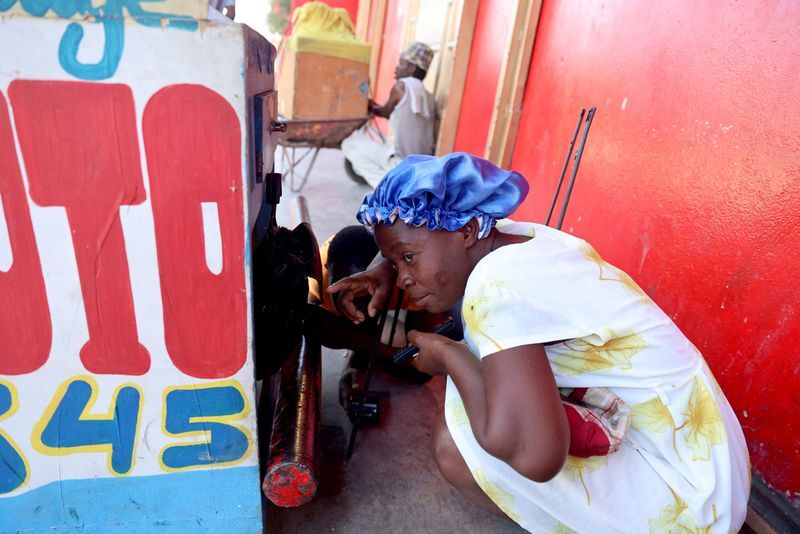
470,232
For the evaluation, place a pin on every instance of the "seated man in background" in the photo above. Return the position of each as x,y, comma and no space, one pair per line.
411,111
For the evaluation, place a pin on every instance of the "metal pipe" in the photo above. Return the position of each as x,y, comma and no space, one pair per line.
292,476
578,156
564,168
298,211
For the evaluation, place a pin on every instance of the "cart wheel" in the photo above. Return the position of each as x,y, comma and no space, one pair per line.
352,174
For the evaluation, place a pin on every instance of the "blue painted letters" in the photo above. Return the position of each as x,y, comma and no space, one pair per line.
72,429
201,412
13,470
111,16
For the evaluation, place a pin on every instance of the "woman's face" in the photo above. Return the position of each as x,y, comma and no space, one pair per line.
432,266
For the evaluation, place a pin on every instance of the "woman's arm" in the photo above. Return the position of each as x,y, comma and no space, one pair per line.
511,399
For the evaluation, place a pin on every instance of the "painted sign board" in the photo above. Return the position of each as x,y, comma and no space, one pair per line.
126,204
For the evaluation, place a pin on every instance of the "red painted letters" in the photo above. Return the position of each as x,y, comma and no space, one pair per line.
79,144
25,329
193,144
80,149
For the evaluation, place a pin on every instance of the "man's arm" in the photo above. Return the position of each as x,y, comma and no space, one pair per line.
395,95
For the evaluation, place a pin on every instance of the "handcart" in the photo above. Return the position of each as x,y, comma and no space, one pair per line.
311,135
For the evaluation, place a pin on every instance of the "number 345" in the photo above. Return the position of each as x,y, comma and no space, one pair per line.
69,426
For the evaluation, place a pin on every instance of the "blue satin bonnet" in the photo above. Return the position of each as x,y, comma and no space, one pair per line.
444,193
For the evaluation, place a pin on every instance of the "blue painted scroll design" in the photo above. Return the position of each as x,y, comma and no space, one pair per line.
111,17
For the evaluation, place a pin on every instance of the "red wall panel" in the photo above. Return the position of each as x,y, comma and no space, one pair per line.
690,180
489,45
390,52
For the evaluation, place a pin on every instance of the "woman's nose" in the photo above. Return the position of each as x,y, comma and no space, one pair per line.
404,280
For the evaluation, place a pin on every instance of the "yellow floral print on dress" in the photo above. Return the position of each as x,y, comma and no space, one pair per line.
714,384
457,412
583,357
676,518
703,422
503,499
575,467
611,273
592,305
476,310
654,416
720,395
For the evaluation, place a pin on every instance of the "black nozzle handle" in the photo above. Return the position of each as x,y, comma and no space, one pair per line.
410,351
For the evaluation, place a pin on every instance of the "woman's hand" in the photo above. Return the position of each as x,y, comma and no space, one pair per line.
436,352
375,282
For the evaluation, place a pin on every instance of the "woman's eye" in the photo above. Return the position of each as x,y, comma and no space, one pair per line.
408,258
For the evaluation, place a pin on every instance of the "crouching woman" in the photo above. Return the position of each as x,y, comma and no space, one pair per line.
543,315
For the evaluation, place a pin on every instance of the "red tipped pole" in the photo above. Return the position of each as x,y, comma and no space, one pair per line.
293,465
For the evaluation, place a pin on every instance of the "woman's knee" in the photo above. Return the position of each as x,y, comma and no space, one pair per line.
446,454
454,469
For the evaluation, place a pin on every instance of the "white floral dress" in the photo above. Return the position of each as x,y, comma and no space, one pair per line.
683,466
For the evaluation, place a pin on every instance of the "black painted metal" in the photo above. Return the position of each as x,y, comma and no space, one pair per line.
564,168
773,507
574,174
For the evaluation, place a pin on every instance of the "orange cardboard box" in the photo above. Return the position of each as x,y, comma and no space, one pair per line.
316,86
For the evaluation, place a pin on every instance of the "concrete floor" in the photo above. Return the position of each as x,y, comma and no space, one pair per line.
391,483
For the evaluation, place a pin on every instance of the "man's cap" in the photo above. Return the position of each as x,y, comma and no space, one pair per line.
418,54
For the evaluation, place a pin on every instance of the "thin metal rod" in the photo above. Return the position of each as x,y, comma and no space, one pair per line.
368,376
578,156
308,170
290,176
303,156
397,307
377,130
291,162
298,211
286,163
564,168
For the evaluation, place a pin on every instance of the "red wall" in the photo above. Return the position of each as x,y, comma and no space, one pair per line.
390,52
350,5
690,180
489,42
